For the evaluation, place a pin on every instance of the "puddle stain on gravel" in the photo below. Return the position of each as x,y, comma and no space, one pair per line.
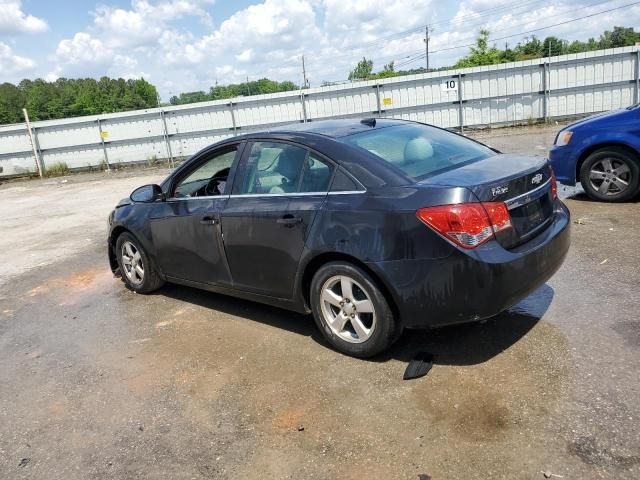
267,381
630,332
512,392
589,452
70,288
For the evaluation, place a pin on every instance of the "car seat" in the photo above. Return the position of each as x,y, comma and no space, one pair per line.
289,166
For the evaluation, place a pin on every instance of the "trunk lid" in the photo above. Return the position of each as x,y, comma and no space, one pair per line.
523,183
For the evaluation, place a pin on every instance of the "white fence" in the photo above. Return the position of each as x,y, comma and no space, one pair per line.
511,93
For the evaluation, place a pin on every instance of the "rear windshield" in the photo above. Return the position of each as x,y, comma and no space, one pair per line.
419,150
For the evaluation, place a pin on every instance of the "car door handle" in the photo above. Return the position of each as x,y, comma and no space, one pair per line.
289,220
208,220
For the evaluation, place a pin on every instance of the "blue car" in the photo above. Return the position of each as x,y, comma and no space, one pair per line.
602,152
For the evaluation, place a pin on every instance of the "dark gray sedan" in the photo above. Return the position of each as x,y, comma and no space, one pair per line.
374,226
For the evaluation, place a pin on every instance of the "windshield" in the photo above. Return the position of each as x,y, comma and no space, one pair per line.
419,150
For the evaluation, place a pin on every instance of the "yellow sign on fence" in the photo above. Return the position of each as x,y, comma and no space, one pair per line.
104,134
387,101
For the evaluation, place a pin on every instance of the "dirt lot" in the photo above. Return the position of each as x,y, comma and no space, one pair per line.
97,382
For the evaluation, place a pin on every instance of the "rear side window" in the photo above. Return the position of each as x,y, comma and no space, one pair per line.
317,175
342,183
419,150
278,168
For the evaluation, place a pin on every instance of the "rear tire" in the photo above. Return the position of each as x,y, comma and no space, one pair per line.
611,174
138,271
351,311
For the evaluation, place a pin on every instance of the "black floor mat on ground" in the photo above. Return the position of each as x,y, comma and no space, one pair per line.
419,366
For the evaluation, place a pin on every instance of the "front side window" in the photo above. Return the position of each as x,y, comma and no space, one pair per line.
419,150
210,178
277,168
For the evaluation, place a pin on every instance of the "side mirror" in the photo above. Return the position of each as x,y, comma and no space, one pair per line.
147,194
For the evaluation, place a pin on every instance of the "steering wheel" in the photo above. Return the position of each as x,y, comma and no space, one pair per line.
215,186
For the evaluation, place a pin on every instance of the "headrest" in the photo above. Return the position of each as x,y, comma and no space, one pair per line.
418,149
290,162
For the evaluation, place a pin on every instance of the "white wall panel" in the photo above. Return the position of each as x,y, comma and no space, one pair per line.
577,84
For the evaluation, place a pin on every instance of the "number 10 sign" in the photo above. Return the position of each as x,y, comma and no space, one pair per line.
450,85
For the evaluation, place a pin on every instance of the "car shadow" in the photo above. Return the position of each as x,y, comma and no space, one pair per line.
583,197
477,342
578,194
465,344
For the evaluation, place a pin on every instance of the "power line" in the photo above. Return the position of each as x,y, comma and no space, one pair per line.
542,28
406,58
410,56
452,20
415,56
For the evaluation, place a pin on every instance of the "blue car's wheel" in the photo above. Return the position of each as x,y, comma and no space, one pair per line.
611,174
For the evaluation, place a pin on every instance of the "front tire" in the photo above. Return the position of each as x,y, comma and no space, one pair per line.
138,271
611,174
351,311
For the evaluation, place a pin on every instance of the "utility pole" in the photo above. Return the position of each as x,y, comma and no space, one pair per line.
304,75
248,89
426,43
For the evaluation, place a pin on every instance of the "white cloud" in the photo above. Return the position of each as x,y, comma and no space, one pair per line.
366,21
13,20
265,39
84,55
245,56
268,38
82,49
11,63
145,22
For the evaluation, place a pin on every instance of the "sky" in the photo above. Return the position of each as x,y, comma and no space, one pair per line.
188,45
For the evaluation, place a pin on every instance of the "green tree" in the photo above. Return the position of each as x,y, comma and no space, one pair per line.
362,71
552,46
619,37
12,102
481,53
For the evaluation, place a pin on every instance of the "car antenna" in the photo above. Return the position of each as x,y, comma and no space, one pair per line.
371,122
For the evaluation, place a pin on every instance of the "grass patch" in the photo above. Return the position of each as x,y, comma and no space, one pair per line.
58,169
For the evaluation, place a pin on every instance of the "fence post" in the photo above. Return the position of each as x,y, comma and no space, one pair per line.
545,101
460,110
166,137
638,75
304,107
36,156
233,117
104,147
40,157
378,99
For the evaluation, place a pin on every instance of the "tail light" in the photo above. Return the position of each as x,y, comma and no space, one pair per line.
554,185
467,224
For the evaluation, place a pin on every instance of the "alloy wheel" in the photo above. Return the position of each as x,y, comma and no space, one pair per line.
132,263
610,176
347,309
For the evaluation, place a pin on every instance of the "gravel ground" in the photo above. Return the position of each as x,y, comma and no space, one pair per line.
98,382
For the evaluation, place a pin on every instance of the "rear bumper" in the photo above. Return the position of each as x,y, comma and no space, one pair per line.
469,286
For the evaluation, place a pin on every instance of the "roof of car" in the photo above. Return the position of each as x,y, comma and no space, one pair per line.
338,128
